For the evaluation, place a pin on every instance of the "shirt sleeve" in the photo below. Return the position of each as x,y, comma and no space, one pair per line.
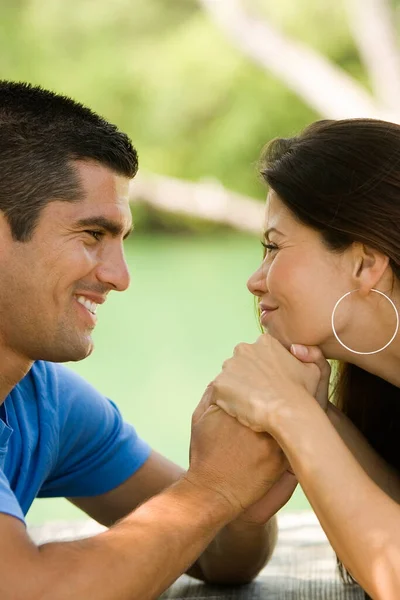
98,450
8,501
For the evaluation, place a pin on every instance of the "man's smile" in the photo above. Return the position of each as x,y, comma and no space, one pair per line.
91,306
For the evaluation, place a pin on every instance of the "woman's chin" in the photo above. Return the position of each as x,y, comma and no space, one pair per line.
278,336
288,340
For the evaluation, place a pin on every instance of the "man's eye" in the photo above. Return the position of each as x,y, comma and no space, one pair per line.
97,235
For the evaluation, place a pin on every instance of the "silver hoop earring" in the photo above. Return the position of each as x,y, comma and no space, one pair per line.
356,351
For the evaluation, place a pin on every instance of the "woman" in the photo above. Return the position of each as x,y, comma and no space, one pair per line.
329,288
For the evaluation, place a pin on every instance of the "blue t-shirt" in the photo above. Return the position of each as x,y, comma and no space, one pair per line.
60,437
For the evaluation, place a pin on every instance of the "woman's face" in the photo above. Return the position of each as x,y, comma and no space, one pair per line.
299,281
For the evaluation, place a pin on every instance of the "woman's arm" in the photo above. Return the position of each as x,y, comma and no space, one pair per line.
385,476
267,389
360,520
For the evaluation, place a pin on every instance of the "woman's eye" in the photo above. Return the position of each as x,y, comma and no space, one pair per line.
269,247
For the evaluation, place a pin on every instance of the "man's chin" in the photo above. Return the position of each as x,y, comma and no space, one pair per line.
84,353
67,354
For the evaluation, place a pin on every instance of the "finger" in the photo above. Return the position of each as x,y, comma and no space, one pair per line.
311,354
264,338
226,407
241,418
204,403
283,490
279,494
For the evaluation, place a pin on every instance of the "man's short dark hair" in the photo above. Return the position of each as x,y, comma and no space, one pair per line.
41,133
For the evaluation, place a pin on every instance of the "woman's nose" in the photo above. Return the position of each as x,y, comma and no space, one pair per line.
257,282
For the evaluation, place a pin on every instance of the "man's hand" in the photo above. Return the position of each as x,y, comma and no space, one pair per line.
279,493
232,460
249,469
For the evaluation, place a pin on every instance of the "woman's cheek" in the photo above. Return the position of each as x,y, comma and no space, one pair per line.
277,278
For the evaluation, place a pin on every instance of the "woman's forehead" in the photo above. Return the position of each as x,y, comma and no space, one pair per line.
275,210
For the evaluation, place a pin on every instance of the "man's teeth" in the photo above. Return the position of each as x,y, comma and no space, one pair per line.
91,306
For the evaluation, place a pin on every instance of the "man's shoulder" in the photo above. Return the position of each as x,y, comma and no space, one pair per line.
54,393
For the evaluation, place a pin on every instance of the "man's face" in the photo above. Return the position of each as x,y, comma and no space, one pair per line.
51,285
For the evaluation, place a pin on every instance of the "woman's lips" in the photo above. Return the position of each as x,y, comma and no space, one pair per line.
265,313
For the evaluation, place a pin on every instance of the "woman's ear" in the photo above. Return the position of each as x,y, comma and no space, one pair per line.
370,267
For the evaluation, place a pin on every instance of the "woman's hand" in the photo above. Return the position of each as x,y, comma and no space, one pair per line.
263,382
312,354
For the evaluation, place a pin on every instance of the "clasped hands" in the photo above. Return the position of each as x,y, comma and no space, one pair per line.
259,387
262,382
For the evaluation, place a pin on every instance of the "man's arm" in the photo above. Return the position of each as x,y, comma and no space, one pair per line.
156,474
235,555
135,560
231,468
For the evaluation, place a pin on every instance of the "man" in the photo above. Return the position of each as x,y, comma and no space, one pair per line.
64,213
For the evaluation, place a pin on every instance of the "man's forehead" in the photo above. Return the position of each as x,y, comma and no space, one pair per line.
122,186
99,179
105,193
111,214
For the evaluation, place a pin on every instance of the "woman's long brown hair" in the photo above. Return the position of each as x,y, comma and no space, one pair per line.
342,178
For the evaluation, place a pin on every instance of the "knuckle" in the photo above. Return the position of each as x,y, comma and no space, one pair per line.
257,428
241,349
264,338
212,391
315,351
218,384
211,386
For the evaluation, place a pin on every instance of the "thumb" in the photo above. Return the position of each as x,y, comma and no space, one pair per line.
312,354
204,403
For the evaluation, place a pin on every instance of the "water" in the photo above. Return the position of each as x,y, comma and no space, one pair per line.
159,344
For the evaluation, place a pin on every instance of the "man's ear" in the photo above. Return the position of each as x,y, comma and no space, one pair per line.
369,267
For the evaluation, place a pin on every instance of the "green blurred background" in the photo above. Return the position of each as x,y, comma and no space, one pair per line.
196,107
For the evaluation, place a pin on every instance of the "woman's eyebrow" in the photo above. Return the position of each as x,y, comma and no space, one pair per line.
270,230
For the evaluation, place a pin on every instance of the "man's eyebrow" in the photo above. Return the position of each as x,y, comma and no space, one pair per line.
270,230
112,227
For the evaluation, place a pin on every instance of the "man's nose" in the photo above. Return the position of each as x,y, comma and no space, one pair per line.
113,270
